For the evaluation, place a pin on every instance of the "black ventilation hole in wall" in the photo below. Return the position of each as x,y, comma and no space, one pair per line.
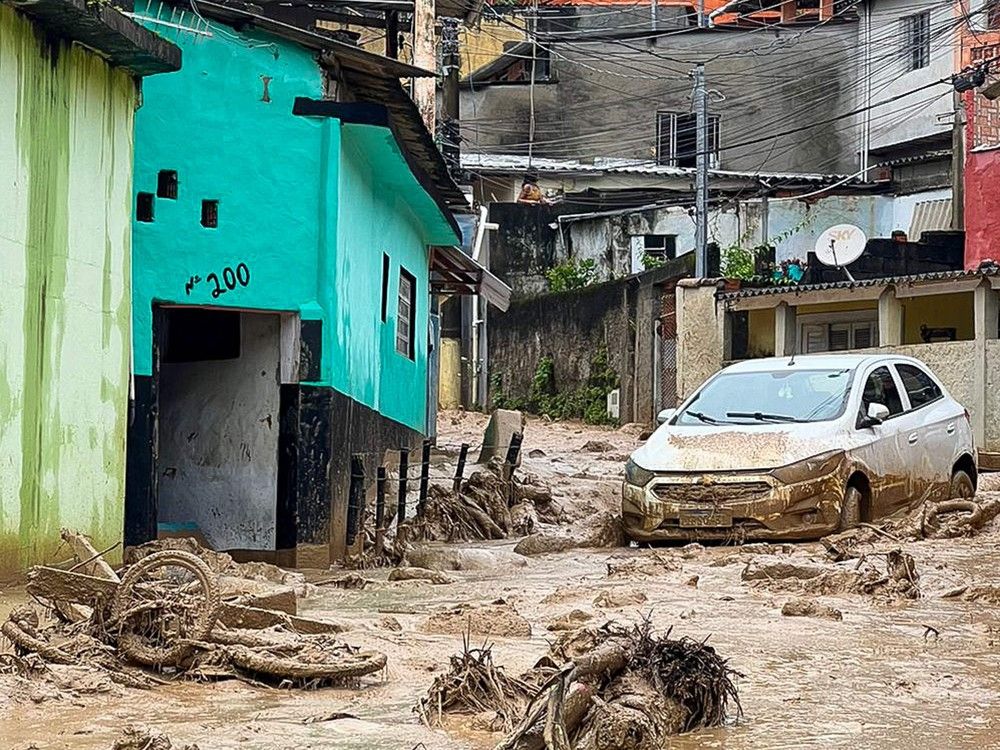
144,207
210,214
166,184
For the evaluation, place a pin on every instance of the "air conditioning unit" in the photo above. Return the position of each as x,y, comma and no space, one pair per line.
614,403
991,90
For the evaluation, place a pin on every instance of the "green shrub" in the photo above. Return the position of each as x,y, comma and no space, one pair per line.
572,274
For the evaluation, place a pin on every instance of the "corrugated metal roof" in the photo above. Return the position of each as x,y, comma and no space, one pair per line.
929,216
860,283
516,164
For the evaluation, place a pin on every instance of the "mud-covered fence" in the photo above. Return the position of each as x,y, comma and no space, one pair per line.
403,478
614,325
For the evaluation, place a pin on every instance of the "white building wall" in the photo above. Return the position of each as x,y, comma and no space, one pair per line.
921,114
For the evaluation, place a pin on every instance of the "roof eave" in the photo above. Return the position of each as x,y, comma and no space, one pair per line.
106,30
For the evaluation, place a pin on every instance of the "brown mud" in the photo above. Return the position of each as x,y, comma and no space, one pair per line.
894,672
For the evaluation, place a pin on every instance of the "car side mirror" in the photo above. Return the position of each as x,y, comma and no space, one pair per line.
665,416
877,414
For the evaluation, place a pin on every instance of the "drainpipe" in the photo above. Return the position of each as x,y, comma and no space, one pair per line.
866,126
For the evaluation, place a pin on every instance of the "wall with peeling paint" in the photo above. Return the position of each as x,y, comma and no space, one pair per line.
66,162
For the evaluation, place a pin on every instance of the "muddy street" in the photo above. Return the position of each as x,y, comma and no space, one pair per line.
858,666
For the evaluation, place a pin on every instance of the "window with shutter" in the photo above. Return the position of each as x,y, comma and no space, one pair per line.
840,337
864,335
815,338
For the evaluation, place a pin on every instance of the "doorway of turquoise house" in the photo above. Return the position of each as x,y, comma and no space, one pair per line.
218,429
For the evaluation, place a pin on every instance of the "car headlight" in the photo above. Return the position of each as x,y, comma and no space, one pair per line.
810,468
635,474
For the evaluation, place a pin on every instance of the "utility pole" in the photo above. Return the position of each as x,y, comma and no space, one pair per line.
701,172
958,165
392,34
424,89
450,64
531,86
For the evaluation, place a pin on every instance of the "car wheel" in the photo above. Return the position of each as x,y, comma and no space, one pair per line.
850,509
962,486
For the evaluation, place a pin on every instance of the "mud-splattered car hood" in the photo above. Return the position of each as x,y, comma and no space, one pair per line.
739,448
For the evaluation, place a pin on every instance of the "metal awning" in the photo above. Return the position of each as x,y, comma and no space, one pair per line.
454,272
929,216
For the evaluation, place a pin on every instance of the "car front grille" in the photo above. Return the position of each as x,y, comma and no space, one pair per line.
720,492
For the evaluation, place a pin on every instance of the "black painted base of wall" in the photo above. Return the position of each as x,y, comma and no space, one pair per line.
356,428
140,464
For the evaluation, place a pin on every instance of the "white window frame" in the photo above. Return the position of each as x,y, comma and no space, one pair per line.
855,319
406,314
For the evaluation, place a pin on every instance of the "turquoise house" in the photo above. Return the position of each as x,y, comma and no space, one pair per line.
293,217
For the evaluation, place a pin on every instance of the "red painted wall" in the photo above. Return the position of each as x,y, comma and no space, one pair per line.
982,207
982,179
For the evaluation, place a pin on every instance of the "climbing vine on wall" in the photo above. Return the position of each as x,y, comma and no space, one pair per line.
588,402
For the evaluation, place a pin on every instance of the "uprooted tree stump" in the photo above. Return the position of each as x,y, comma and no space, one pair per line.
617,688
474,685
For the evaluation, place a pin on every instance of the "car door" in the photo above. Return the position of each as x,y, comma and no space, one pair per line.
932,422
882,454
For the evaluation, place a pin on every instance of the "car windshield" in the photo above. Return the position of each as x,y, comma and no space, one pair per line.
769,397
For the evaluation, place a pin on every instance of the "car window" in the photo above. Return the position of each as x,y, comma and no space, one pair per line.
769,397
919,386
880,388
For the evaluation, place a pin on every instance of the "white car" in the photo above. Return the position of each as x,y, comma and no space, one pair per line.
796,448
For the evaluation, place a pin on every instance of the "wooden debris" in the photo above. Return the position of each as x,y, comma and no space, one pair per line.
254,618
419,574
90,560
62,585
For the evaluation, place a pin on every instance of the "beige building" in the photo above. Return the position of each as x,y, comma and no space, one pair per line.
949,320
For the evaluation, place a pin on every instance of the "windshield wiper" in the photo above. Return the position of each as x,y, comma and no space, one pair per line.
762,416
703,417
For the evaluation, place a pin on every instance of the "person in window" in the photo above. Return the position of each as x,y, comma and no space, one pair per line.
530,192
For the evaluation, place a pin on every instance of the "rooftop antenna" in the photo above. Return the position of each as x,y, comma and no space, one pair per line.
841,245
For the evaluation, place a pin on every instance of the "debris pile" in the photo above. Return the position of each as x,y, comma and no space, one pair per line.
140,737
498,619
652,564
166,613
804,607
930,520
474,685
602,529
598,688
478,511
887,574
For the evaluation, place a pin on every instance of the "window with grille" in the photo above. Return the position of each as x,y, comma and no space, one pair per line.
917,40
406,314
677,139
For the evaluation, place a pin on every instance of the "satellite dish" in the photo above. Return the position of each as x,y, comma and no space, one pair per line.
840,245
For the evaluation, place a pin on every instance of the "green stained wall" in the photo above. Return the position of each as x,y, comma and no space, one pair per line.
66,124
307,204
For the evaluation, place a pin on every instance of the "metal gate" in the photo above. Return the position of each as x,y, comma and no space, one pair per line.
666,333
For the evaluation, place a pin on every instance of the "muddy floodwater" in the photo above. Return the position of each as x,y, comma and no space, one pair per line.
892,673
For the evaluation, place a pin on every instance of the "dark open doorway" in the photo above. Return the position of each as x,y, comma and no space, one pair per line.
218,387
